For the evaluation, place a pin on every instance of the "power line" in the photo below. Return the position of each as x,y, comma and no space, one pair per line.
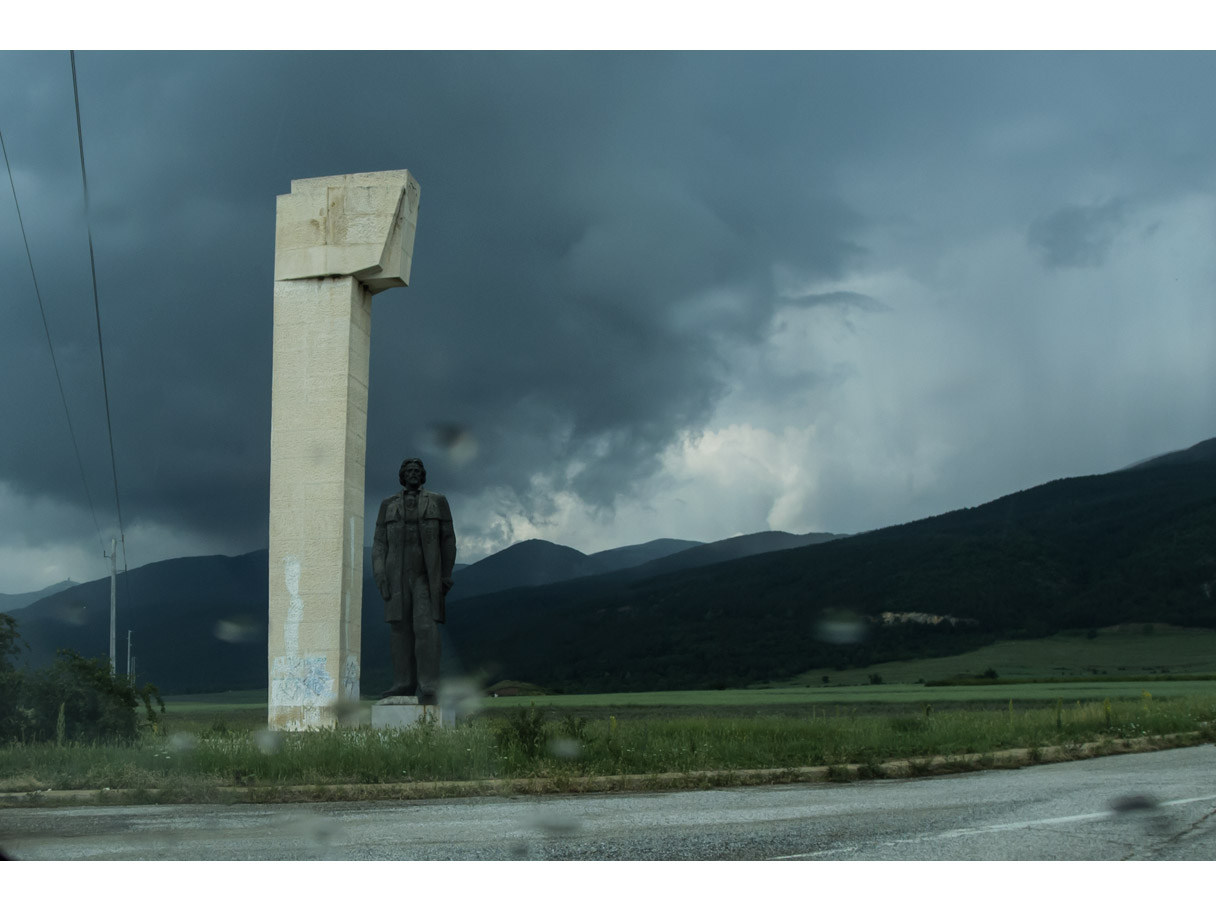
46,327
97,311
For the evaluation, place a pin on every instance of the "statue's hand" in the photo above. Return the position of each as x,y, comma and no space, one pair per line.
385,593
447,584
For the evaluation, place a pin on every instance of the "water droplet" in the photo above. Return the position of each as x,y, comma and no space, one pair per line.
1131,803
455,441
240,629
555,823
462,695
565,748
840,626
74,614
321,831
348,712
267,741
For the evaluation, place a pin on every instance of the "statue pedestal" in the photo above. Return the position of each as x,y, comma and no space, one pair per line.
402,712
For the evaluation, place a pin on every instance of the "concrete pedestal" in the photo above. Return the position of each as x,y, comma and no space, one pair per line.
402,712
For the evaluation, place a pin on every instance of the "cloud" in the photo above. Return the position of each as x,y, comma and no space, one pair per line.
835,299
630,270
1077,236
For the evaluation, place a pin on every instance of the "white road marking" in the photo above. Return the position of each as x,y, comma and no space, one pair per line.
1000,827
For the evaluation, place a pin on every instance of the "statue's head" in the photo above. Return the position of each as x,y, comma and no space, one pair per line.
415,468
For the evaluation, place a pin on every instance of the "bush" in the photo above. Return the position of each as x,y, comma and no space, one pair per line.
74,699
13,721
526,730
78,699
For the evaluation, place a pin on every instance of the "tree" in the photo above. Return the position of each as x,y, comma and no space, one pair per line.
12,718
96,705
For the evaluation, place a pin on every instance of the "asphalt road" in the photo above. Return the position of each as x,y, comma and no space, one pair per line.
1140,806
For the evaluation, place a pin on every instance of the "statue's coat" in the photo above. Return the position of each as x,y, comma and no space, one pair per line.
438,551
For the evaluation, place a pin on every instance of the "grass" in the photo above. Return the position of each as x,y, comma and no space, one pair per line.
1116,662
847,727
206,713
1118,651
560,748
885,696
229,699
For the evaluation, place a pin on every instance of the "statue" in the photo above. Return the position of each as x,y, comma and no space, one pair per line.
412,560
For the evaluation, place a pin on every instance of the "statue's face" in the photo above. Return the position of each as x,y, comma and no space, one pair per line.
412,475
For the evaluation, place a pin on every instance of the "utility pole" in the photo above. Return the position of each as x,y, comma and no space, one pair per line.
128,655
113,603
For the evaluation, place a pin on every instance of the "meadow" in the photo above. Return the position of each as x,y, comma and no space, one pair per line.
1132,650
559,747
208,745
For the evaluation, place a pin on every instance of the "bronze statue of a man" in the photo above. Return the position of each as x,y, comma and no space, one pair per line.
412,560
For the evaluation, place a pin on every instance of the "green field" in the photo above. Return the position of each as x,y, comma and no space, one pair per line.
207,742
245,713
227,699
856,694
1095,661
1115,651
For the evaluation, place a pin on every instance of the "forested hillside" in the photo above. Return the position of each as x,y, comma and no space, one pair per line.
1077,553
1132,546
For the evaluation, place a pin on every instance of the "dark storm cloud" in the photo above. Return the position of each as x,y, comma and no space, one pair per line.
842,299
1078,235
594,230
607,243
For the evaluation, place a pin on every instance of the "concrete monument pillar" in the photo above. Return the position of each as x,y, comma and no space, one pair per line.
338,241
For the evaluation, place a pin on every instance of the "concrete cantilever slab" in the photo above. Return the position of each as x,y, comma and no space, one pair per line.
359,225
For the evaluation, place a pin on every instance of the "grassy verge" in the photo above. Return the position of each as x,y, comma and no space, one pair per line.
560,748
1132,650
887,697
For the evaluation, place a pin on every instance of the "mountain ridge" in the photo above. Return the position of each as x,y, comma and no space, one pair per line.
10,603
215,606
1073,553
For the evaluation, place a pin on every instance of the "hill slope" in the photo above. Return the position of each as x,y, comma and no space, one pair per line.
731,549
1076,553
528,563
537,562
11,603
1130,546
199,623
1199,453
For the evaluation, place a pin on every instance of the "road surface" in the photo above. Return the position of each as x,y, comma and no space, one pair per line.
1140,806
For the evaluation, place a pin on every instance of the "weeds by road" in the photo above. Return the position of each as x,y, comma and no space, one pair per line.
536,743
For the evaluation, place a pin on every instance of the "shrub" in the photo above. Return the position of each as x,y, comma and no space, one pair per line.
94,705
12,720
572,726
525,730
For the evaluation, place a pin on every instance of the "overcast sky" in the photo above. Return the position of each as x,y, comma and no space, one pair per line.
660,294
